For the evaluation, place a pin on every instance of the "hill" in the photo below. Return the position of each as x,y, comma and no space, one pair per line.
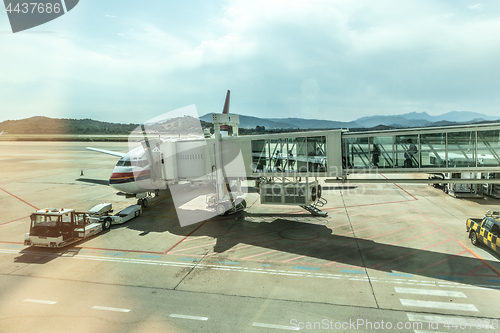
45,125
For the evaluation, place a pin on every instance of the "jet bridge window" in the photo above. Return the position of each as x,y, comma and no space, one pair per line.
357,153
406,151
316,154
260,158
277,149
433,150
462,149
290,155
488,148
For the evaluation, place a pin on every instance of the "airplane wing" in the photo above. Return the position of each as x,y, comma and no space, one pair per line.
114,153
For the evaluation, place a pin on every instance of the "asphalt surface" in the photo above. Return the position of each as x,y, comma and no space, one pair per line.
386,255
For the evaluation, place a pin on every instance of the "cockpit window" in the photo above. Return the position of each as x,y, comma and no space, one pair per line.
123,162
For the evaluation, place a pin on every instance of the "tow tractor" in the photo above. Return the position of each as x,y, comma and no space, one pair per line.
59,227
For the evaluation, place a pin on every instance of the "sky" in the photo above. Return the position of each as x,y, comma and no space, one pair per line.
129,61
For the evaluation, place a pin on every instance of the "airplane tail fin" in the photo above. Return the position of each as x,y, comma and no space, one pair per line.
226,104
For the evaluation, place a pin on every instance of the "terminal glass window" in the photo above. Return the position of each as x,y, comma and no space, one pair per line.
277,148
358,152
406,151
301,154
260,157
462,149
316,154
488,148
382,146
433,150
291,155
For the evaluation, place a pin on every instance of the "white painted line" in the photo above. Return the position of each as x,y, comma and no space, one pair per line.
39,301
430,292
281,327
173,315
271,272
439,305
436,319
110,309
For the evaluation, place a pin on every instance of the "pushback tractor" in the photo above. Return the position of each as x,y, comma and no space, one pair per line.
59,227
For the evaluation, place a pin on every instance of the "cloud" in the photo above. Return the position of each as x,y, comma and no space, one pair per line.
475,6
360,57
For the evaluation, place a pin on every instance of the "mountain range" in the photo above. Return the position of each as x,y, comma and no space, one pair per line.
411,119
45,125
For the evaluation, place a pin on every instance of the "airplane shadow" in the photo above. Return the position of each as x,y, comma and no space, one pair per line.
93,181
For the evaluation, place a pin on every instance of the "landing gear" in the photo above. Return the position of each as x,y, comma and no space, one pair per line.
221,209
225,208
143,202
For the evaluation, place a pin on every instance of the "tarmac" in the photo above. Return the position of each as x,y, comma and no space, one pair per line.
393,254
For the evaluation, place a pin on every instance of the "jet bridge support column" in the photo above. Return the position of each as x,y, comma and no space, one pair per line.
225,200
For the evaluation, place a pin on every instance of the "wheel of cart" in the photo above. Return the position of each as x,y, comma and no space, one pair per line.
106,224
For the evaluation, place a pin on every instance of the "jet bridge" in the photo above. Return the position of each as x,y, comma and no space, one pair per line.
339,153
286,166
471,148
464,160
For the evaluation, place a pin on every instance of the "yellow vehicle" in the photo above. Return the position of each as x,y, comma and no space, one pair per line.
485,230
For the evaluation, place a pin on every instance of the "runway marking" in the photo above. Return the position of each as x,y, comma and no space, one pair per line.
288,260
280,327
413,252
352,271
400,274
19,198
29,300
264,270
105,308
173,315
12,245
229,262
114,254
392,232
451,278
439,319
460,243
451,256
417,291
22,218
188,259
438,305
306,268
476,269
150,256
414,198
402,241
493,281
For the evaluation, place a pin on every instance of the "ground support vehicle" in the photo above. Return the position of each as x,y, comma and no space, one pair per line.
59,227
485,230
122,216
